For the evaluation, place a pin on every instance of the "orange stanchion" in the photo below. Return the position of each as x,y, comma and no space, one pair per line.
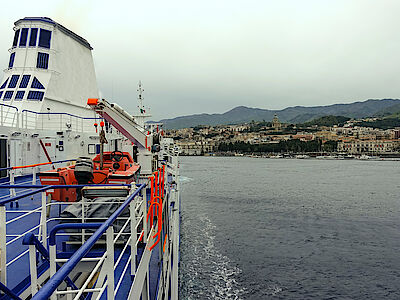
141,236
165,241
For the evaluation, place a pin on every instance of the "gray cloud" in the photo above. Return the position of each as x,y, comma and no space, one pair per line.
210,56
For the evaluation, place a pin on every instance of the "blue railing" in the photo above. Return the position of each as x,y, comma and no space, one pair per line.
47,290
53,232
31,239
9,292
43,188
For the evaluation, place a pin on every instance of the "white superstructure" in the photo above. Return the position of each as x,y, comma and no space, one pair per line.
43,96
52,66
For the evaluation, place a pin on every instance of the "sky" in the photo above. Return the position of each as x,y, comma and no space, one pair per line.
210,56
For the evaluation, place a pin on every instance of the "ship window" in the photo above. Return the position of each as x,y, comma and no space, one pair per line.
16,36
24,81
1,94
19,95
33,95
42,60
8,95
33,37
11,62
24,36
91,149
4,84
13,81
36,84
44,38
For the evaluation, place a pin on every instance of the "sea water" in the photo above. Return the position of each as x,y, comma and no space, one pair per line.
255,228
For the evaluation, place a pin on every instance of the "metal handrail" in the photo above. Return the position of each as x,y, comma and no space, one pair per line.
31,239
39,120
30,193
42,188
61,186
36,165
53,232
9,292
67,114
2,104
47,290
8,116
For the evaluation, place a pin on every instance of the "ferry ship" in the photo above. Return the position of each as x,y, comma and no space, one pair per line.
89,194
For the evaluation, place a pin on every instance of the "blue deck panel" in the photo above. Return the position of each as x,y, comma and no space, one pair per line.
19,270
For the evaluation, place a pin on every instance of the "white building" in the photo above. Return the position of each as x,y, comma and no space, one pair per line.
369,146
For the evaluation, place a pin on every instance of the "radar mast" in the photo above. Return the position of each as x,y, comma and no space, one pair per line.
142,110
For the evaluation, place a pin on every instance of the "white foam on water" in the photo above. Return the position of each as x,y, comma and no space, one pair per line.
210,274
184,179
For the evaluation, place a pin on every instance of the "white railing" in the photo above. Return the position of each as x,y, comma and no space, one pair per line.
106,263
57,121
41,226
9,116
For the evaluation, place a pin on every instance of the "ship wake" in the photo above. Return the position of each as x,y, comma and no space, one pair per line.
209,273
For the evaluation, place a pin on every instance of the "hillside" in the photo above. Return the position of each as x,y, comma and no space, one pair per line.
389,111
385,123
296,114
328,121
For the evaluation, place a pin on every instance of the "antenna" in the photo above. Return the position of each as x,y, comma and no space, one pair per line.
140,118
140,98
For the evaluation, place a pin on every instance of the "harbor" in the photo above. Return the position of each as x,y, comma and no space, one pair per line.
196,150
309,229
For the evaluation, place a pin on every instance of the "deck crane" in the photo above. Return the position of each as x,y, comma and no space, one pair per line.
126,124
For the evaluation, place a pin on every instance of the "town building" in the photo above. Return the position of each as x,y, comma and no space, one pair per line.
373,147
276,124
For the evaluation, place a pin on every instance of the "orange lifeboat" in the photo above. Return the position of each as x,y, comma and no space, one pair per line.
118,168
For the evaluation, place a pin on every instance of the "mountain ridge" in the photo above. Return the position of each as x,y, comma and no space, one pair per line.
293,114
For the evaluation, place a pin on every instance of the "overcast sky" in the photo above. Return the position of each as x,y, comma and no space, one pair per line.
210,56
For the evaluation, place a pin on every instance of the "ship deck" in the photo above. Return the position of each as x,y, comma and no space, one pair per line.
18,273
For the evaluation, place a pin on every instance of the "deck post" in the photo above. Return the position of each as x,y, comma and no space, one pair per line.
33,269
12,176
3,247
145,288
83,218
43,219
34,175
144,209
175,248
69,296
17,125
52,255
133,235
110,262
